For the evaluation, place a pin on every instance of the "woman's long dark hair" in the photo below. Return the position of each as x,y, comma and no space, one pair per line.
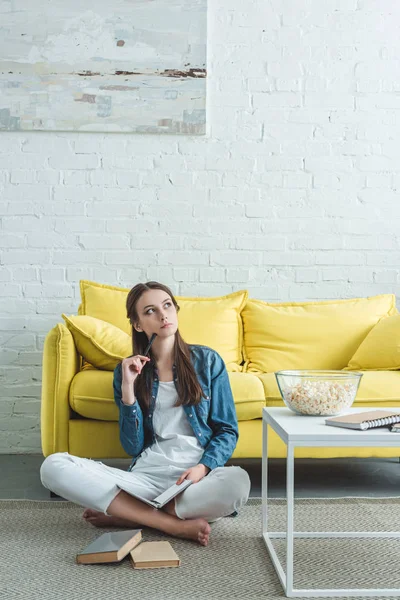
188,386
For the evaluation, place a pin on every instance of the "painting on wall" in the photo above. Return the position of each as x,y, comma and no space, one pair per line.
134,66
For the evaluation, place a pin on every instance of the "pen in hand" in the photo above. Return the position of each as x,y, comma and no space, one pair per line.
153,337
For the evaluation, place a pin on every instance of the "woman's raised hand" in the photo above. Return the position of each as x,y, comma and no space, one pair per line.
132,367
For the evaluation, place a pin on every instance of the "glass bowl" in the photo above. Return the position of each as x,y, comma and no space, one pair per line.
318,393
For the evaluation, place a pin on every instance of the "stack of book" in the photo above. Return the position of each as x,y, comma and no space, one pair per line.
115,546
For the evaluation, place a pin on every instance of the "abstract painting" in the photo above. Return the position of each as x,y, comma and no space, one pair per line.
133,66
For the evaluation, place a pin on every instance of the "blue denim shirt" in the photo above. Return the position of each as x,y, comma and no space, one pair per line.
213,420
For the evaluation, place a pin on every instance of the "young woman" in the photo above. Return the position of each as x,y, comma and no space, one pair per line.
177,419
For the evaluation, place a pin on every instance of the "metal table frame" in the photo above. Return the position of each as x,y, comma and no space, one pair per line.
286,579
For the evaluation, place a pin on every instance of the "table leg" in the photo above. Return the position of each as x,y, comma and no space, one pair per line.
290,517
264,478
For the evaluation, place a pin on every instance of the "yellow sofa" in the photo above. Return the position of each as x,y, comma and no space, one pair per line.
255,338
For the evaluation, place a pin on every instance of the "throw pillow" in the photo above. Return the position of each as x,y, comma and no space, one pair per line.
380,351
99,343
309,335
213,321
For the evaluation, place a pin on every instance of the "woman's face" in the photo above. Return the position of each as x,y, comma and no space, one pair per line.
157,314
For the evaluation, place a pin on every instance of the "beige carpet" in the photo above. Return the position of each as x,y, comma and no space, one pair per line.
39,540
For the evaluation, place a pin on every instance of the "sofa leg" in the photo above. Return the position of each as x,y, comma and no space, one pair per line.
54,495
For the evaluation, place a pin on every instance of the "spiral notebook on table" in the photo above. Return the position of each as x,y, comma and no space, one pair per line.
365,420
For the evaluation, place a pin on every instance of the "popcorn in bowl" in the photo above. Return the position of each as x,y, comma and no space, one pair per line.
318,393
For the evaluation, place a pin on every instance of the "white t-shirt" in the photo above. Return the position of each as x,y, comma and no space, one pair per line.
175,443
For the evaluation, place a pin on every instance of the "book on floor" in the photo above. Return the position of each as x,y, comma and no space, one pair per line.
163,498
365,420
153,555
110,547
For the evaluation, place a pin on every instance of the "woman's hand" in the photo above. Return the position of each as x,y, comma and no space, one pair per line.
195,474
132,367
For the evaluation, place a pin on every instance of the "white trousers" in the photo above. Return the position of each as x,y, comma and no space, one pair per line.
94,485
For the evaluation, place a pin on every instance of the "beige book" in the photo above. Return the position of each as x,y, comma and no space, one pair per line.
110,547
365,420
152,555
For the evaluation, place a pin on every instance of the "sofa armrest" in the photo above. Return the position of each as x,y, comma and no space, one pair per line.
60,365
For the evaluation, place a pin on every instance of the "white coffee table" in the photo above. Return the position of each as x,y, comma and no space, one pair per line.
296,430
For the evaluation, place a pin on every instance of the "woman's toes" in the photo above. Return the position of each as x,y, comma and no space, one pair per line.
89,514
203,538
204,534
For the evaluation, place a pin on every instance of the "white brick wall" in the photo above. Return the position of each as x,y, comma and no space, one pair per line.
292,195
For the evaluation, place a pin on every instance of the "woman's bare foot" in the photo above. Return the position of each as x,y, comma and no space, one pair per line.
194,529
99,519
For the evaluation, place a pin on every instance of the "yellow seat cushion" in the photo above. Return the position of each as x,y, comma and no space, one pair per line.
91,395
271,391
248,395
101,344
309,335
376,387
380,351
379,387
210,321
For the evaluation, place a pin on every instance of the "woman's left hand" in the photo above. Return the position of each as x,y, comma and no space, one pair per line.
194,473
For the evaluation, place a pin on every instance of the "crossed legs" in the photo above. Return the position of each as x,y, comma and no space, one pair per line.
105,491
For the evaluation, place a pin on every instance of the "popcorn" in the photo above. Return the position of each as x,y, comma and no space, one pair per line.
320,397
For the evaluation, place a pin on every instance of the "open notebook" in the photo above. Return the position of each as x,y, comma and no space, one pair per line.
166,496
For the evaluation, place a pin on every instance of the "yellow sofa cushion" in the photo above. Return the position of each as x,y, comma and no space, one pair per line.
380,351
215,322
101,344
248,395
376,387
91,395
105,302
309,335
210,321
